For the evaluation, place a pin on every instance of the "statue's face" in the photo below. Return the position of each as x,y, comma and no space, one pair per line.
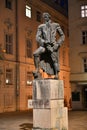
46,18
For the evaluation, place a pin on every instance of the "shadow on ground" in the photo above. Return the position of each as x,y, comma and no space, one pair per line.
26,126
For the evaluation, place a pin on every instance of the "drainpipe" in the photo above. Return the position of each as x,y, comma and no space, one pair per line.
17,60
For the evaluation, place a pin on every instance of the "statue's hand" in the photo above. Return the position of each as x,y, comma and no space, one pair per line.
49,48
56,47
46,42
41,44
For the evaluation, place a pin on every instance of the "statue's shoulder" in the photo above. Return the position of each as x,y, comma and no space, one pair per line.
41,26
55,24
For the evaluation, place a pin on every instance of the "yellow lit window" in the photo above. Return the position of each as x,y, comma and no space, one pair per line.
28,11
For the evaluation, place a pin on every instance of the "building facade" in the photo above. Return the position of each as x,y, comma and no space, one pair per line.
78,52
19,21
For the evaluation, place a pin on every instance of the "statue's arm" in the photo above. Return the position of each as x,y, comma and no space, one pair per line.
39,38
62,36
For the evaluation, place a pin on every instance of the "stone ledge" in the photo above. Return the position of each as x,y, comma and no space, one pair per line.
48,89
47,103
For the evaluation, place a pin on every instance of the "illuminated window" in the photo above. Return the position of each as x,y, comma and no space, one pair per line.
9,76
85,64
9,43
28,11
29,78
84,37
84,11
8,4
29,48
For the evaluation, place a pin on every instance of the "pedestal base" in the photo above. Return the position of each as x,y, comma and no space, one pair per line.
48,105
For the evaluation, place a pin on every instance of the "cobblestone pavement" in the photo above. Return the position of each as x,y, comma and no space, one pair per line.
16,121
78,120
23,120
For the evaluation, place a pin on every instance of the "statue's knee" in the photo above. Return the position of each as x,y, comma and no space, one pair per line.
35,55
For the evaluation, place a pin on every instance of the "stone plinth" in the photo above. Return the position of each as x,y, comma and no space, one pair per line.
48,89
48,105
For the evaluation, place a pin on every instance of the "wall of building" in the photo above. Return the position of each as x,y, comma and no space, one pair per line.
78,51
15,96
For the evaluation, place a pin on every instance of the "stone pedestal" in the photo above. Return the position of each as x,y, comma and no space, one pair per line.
48,105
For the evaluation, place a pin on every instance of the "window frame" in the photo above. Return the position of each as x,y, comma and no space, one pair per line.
28,11
85,64
29,78
9,43
83,9
29,48
38,16
8,4
84,37
9,76
76,96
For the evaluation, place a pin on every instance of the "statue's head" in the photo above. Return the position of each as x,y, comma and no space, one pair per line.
46,16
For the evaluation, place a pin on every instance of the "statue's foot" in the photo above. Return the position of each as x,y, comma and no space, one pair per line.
56,77
37,75
36,71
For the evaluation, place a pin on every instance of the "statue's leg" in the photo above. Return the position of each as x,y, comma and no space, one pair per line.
56,68
36,62
36,55
54,57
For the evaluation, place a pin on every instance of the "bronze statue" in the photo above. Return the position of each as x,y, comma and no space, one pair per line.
46,56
